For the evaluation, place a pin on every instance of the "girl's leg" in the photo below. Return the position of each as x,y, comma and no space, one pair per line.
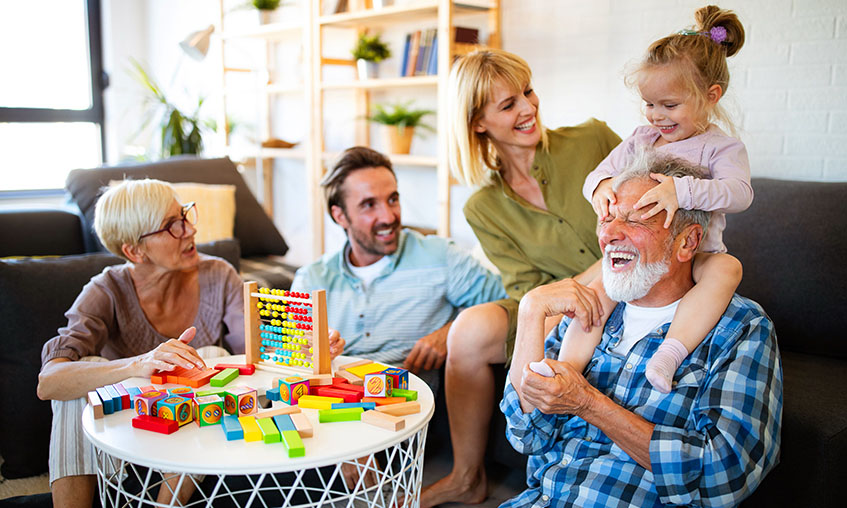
717,277
577,344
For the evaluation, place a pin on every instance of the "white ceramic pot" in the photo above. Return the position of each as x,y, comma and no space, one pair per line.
367,69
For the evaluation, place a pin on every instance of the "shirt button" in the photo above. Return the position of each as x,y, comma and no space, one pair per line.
628,366
582,251
561,221
588,438
367,334
361,315
545,497
566,461
516,288
543,182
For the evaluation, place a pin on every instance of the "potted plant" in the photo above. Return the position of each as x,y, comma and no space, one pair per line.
400,121
368,52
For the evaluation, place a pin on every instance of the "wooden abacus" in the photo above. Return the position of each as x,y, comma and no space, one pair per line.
286,331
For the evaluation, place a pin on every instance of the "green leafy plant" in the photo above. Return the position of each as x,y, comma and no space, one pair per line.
180,133
400,115
371,48
266,5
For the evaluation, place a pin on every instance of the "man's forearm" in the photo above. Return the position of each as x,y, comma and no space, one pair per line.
529,345
628,430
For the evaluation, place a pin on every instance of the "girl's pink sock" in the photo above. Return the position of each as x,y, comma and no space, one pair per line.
663,365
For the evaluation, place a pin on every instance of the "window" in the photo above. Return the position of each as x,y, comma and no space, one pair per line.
51,93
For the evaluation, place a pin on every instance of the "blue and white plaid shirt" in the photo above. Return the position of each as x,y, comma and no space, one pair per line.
716,434
422,287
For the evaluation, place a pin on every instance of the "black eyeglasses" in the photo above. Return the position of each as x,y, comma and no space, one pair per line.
176,228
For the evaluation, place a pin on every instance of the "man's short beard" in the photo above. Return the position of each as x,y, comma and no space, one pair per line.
635,283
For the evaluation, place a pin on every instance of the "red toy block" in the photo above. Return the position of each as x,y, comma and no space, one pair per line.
351,388
382,401
243,370
332,391
125,403
154,424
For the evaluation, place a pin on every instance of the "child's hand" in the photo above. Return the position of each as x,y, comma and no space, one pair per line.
664,195
602,198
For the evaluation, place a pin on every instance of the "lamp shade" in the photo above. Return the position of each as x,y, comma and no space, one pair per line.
196,45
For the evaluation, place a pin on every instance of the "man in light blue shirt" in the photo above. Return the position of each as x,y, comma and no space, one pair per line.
391,292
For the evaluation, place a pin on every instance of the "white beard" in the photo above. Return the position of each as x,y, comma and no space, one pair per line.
634,283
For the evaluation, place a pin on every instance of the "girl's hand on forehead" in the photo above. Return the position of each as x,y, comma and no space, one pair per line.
664,197
603,197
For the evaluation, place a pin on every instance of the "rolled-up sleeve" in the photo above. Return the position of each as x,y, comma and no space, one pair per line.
90,319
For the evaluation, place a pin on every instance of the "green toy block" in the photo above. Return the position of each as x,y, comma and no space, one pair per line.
291,440
409,394
224,377
347,414
270,434
206,393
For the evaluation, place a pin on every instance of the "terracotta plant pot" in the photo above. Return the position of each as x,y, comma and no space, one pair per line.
400,141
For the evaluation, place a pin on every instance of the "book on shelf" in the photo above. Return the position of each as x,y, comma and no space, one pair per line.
466,35
414,49
405,61
432,66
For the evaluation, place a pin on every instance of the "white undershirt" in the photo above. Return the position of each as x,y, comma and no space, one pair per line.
368,273
638,322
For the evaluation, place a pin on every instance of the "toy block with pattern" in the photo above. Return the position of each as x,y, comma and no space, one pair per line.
124,395
243,369
175,408
401,409
272,393
347,414
303,425
232,428
353,379
284,422
332,391
182,391
293,443
383,401
378,384
154,424
208,410
240,401
364,405
370,368
223,377
145,403
318,402
400,377
270,434
292,388
409,394
96,404
252,431
383,420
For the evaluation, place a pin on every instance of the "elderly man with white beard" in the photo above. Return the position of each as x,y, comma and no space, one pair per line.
606,437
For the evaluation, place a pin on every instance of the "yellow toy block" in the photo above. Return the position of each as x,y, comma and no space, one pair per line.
252,431
318,402
370,368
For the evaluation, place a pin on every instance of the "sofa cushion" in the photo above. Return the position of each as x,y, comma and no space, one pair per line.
40,232
34,295
792,249
253,228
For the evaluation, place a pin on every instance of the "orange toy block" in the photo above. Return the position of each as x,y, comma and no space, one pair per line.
401,409
383,420
155,424
96,404
157,378
304,427
384,401
353,379
149,388
200,378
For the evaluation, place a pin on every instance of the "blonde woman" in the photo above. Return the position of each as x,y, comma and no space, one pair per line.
533,224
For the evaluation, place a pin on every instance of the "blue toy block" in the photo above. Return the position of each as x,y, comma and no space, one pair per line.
133,391
117,405
232,428
364,405
272,393
284,422
108,406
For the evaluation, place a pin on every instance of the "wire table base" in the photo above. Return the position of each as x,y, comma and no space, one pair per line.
388,478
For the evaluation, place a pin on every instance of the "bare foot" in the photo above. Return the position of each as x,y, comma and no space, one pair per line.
472,489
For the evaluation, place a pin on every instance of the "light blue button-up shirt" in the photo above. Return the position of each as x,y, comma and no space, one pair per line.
426,282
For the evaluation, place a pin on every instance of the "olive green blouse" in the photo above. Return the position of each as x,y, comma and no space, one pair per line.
531,246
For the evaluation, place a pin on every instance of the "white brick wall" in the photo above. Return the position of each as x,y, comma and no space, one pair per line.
788,92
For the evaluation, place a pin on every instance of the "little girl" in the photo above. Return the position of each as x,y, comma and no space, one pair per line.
681,81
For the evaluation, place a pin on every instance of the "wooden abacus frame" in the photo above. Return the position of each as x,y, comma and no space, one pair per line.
320,331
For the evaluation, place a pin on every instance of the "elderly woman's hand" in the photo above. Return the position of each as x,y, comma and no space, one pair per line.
336,343
169,355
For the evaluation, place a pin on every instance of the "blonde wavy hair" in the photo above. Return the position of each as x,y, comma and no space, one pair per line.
130,209
472,79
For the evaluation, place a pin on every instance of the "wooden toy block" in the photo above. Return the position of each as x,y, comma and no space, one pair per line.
318,402
272,393
304,427
360,389
208,410
354,364
148,388
383,420
175,408
117,403
400,377
206,393
240,401
409,394
124,395
158,377
284,422
145,403
331,391
378,384
362,370
154,424
270,434
182,391
243,369
224,377
232,428
108,408
382,401
348,414
353,379
320,380
200,378
364,405
291,440
96,404
252,431
291,388
133,392
401,409
284,410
